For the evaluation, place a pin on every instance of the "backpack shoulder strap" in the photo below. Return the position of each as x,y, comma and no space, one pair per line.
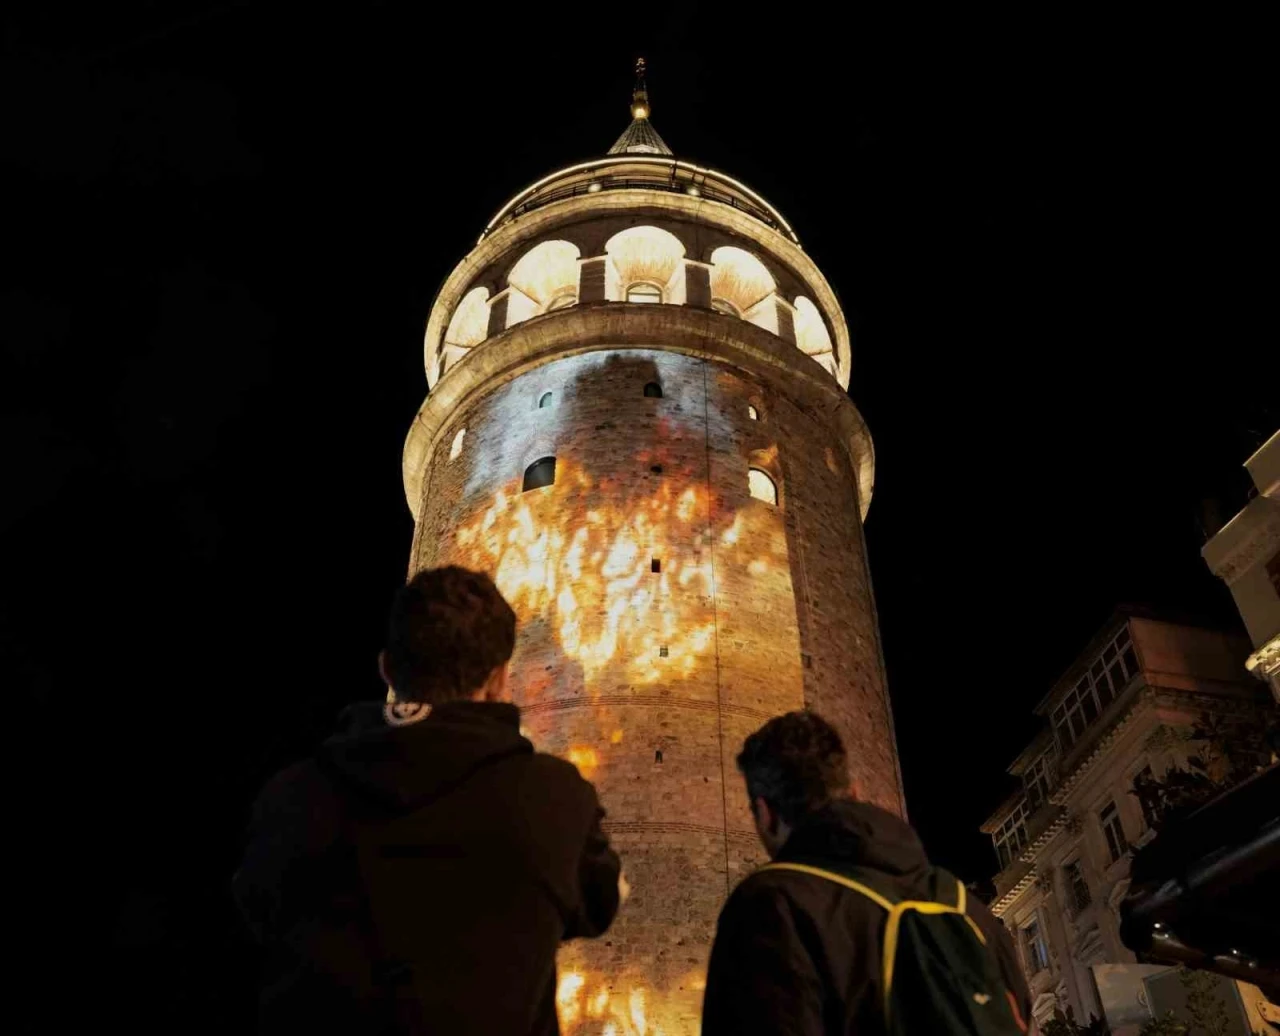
895,911
839,879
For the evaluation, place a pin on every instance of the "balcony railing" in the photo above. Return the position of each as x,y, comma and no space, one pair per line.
673,184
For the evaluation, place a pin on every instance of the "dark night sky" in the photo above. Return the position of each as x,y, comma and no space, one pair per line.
224,235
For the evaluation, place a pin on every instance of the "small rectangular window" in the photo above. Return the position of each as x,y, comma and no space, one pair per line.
1113,830
662,651
655,565
1077,886
1146,778
1033,942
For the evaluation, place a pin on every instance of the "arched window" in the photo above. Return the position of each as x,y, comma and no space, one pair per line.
544,400
725,306
762,487
646,264
546,278
456,448
538,474
644,292
743,281
653,390
753,413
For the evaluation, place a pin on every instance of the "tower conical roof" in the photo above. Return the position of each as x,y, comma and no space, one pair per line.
640,138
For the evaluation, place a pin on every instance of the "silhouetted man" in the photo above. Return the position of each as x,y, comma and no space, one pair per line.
800,951
417,873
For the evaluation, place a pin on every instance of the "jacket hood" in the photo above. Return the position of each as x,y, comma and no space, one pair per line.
858,834
409,765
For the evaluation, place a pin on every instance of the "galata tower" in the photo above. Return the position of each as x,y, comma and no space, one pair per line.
638,424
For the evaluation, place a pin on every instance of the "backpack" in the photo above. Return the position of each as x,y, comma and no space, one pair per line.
937,974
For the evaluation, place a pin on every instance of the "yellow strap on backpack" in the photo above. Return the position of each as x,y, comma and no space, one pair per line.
896,910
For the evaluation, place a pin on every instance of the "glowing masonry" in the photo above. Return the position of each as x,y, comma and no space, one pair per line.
638,424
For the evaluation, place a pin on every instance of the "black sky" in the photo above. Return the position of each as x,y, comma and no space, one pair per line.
226,224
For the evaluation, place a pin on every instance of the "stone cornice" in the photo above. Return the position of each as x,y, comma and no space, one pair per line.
1252,536
1034,847
999,906
601,326
1266,660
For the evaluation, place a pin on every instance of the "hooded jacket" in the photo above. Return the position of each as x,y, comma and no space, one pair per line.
418,879
799,955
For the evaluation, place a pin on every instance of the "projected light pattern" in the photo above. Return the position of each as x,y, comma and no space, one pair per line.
578,555
592,1004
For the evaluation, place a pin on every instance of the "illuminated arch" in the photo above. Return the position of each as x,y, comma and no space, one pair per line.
645,256
762,486
548,274
812,337
741,280
468,327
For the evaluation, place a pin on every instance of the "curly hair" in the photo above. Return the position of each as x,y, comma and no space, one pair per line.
796,763
449,629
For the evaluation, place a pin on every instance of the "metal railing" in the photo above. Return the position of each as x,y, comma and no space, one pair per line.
657,183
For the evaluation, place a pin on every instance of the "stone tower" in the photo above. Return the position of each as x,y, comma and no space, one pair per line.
638,423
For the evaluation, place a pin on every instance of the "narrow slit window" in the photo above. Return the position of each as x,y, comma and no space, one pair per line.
657,755
653,390
538,474
762,487
544,400
655,565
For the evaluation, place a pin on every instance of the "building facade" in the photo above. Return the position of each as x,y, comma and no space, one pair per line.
638,423
1126,709
1245,553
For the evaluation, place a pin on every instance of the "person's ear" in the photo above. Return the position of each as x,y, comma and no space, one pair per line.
496,687
382,668
765,817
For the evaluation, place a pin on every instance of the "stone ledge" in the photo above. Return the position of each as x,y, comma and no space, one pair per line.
615,326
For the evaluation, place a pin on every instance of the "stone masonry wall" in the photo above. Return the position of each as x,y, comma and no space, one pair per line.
664,615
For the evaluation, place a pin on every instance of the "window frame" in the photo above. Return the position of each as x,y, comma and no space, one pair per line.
655,289
1078,893
1113,832
525,487
1034,945
1103,681
755,469
1038,776
1010,838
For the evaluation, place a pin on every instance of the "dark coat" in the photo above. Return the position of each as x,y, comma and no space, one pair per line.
418,879
798,955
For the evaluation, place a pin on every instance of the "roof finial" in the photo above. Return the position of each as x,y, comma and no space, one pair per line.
640,138
640,96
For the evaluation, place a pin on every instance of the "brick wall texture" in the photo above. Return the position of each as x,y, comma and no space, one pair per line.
649,680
